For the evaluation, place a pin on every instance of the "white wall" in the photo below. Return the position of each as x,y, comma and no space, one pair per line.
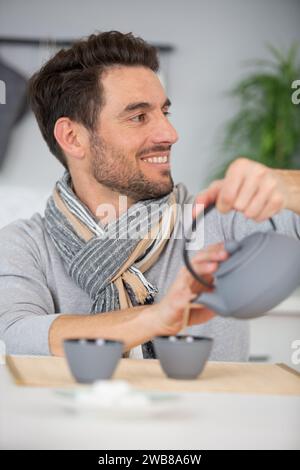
212,39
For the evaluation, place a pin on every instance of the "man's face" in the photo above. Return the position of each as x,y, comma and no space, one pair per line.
130,151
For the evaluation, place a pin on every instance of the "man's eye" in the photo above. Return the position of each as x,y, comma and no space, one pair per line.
138,118
142,117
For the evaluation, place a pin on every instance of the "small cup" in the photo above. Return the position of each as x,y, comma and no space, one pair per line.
92,359
182,357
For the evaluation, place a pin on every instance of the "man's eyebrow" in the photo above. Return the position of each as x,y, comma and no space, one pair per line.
142,105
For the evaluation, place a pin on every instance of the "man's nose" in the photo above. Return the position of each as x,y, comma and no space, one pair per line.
163,131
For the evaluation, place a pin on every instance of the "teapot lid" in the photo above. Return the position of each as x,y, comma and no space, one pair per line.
242,252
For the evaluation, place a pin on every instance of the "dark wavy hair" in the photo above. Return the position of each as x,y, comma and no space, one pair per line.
69,84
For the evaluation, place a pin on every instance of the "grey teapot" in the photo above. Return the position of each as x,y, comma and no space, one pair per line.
261,271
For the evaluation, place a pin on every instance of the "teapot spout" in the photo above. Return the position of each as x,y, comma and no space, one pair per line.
214,302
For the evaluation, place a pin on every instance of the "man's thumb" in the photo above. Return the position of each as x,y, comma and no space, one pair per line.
206,197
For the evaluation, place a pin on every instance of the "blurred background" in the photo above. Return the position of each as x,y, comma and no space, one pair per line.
209,48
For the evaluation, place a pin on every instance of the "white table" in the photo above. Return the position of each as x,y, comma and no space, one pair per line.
32,418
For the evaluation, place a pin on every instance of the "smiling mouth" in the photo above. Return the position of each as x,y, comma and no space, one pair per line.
157,160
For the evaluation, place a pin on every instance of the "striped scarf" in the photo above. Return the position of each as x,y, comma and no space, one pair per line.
108,262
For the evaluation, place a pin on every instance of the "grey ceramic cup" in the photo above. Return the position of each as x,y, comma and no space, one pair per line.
182,357
92,359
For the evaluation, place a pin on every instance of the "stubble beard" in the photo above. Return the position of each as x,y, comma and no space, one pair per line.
117,172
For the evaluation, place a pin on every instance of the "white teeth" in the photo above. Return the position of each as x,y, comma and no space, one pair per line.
157,159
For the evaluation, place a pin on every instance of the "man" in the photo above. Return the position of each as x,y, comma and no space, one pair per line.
104,114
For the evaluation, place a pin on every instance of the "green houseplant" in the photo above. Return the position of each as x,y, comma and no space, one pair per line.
266,127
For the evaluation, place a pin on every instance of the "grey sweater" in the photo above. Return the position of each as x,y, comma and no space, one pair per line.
35,286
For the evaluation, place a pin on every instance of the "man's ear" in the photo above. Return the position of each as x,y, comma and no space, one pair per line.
72,138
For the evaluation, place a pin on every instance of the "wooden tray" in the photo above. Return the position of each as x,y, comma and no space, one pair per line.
224,377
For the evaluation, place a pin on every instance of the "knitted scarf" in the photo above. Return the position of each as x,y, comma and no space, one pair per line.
108,261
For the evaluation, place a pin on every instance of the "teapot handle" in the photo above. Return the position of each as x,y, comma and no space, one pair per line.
185,251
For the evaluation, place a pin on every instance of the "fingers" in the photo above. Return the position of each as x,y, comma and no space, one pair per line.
199,315
272,206
256,206
232,184
251,188
204,263
195,314
211,253
207,197
186,288
246,194
256,192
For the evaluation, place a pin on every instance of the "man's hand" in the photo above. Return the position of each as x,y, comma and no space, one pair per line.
136,325
254,189
173,308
